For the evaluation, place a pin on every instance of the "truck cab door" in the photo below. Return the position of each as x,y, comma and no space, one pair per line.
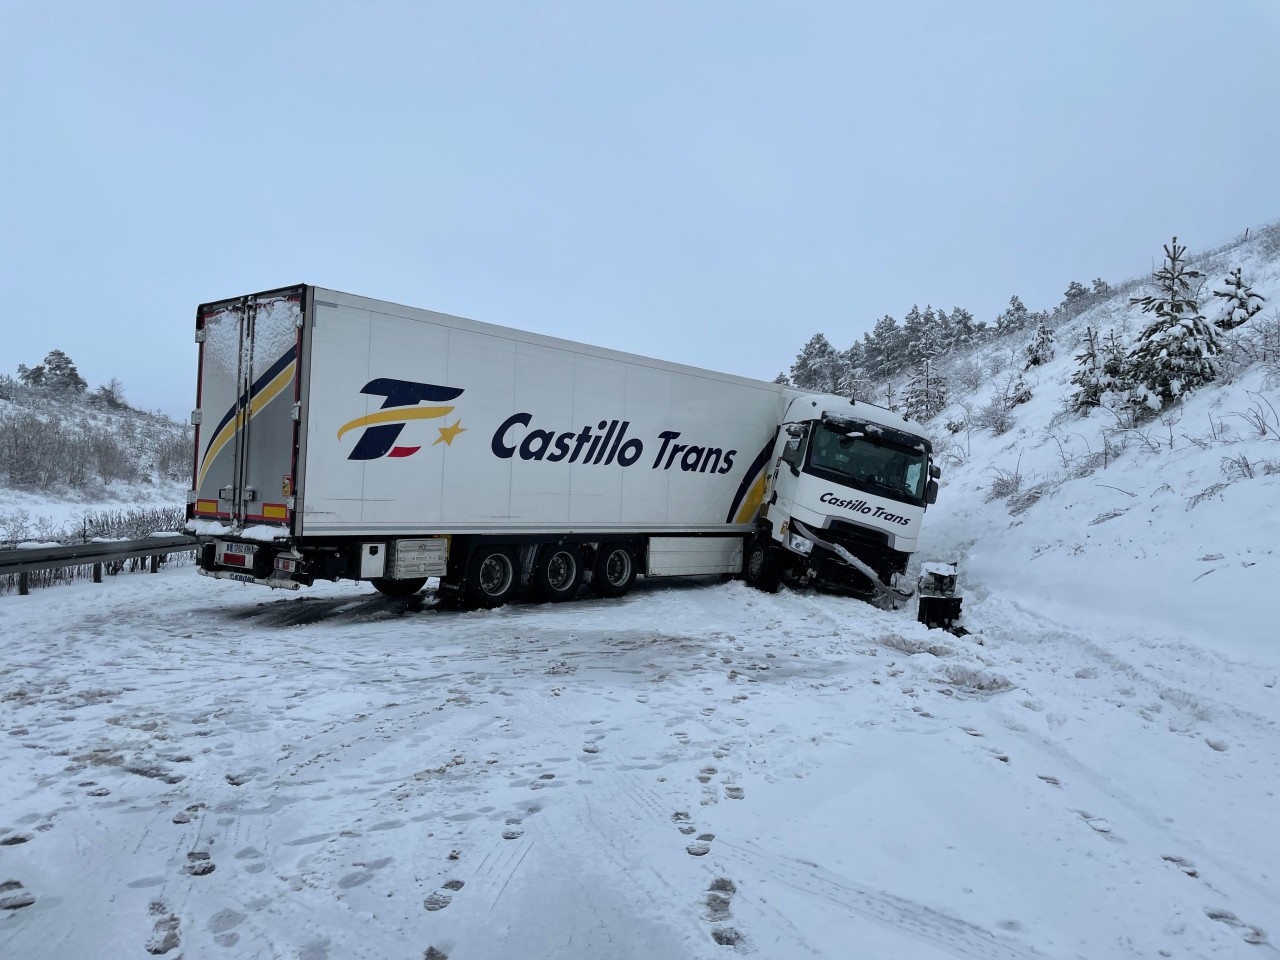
786,471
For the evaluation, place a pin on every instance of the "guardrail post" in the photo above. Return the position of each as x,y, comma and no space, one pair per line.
97,573
24,584
155,563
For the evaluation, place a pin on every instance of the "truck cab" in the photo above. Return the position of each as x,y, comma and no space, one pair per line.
845,495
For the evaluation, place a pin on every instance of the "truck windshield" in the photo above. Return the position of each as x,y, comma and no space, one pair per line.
867,462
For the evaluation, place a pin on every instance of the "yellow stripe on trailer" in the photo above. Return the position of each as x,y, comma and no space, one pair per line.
264,396
751,502
275,511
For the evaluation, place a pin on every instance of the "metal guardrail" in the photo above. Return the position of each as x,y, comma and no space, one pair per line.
22,562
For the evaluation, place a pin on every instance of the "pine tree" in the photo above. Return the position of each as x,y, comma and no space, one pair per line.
962,332
1177,351
1088,379
1100,287
882,348
61,373
856,385
926,393
819,367
1115,365
1040,349
31,376
914,326
1240,302
1076,292
1014,317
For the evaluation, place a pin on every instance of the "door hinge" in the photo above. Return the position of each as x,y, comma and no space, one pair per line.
200,335
192,496
296,412
195,418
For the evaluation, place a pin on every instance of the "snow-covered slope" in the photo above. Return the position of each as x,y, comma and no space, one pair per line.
63,458
1170,528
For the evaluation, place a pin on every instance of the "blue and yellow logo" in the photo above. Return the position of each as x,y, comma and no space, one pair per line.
400,405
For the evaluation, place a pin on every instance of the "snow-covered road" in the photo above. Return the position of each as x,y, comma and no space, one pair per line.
202,769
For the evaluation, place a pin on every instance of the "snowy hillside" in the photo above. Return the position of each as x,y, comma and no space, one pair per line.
1170,525
67,457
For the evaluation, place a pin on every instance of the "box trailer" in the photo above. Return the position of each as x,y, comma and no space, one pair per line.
338,436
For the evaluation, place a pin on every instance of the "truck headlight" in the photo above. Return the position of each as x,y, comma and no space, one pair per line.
801,545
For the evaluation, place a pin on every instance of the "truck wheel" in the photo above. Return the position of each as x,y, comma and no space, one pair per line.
398,588
615,570
492,578
761,568
557,573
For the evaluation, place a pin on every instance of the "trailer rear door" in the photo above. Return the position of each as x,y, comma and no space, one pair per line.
246,419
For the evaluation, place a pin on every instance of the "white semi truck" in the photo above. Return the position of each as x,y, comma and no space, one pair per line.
342,437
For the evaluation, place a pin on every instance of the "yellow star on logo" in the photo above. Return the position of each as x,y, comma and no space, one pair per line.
447,434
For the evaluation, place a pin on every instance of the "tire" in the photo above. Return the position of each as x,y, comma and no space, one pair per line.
493,577
614,571
398,588
761,567
557,573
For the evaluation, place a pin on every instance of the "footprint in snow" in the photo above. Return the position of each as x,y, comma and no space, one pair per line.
734,792
716,902
682,822
1250,933
437,901
701,846
189,814
1097,824
1052,781
1186,866
164,934
13,897
199,863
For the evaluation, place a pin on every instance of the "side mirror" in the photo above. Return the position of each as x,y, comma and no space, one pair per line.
935,471
931,492
791,456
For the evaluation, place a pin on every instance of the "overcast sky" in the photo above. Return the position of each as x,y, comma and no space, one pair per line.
705,182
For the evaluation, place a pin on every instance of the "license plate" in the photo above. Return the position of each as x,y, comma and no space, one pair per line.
244,548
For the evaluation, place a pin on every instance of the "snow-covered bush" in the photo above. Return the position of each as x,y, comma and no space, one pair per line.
1178,350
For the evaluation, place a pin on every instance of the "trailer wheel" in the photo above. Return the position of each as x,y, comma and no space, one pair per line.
557,573
615,570
761,567
398,588
492,577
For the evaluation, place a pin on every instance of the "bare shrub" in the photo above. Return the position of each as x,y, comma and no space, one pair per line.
173,458
1205,494
1023,500
1261,417
967,375
1005,483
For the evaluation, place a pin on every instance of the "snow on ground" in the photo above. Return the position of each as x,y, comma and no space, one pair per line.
204,769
